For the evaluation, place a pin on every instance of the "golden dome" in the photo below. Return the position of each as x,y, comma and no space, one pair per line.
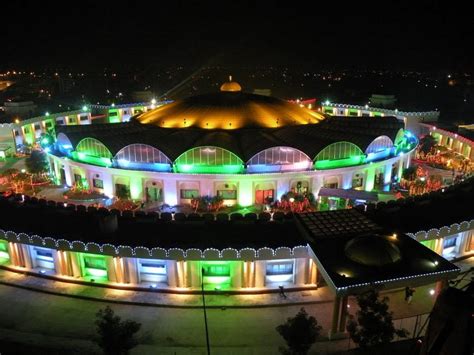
229,110
231,86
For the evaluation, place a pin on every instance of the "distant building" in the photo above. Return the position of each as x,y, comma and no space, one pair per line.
264,92
378,100
21,108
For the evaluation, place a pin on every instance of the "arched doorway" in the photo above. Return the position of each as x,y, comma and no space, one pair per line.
153,192
264,193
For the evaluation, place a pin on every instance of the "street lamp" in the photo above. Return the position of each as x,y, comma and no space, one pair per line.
205,314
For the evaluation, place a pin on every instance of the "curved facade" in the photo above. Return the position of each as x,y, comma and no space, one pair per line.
252,162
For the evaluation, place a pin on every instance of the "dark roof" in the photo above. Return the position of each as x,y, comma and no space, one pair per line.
245,142
328,224
345,275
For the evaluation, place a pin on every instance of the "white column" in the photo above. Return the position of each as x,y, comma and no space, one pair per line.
369,179
387,176
108,181
465,238
194,273
75,263
400,168
347,180
407,160
68,174
236,274
317,183
260,271
170,191
172,273
111,272
26,253
132,273
13,252
246,194
300,271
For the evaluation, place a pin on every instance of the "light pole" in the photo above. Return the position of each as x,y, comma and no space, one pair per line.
205,314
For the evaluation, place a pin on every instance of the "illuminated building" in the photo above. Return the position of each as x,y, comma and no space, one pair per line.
247,148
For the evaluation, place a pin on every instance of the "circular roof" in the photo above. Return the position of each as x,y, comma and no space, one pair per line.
229,109
372,251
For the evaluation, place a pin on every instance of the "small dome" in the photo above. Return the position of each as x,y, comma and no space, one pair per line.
231,86
372,251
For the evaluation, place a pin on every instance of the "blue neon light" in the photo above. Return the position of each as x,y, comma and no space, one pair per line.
126,164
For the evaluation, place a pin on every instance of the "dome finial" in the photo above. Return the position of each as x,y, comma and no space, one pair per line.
231,86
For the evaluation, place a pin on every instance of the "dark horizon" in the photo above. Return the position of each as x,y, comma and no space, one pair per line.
425,37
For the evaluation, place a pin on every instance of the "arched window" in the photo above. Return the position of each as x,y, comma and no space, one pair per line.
92,151
63,144
340,154
209,160
380,148
279,159
142,157
379,144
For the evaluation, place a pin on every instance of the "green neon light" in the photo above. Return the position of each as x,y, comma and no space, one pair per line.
328,110
339,163
93,265
4,255
216,280
208,169
96,272
115,118
90,159
217,273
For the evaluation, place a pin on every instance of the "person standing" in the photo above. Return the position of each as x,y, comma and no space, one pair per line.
409,294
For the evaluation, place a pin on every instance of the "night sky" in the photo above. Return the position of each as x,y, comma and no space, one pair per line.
388,34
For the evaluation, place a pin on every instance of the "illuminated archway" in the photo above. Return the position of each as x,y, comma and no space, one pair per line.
63,144
142,157
92,151
338,155
279,159
380,148
208,160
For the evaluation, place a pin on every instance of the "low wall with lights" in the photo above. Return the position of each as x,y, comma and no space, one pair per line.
411,119
157,267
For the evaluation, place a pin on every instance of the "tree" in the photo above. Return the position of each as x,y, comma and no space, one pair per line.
427,143
299,332
116,336
37,163
409,173
373,323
